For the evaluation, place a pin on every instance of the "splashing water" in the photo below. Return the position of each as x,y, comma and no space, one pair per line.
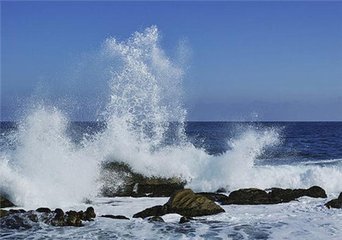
47,168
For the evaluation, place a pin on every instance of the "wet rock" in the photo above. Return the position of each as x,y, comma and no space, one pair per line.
247,196
315,192
187,203
3,213
73,218
115,217
185,219
4,202
216,197
43,210
153,211
12,211
89,214
254,196
156,219
58,219
335,203
135,184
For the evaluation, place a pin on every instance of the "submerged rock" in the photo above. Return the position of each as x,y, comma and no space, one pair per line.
185,219
335,203
156,219
120,180
4,202
115,217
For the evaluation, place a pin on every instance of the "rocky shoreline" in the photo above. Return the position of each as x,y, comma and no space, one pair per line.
184,202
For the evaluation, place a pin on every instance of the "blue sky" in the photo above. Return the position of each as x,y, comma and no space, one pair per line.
249,60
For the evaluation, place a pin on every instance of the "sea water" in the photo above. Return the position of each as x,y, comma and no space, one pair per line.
48,160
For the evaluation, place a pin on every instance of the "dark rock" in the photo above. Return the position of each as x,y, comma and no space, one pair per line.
115,217
43,210
12,211
185,219
58,219
153,211
156,219
73,218
216,197
3,213
247,196
89,214
315,192
187,203
256,196
335,203
135,184
4,202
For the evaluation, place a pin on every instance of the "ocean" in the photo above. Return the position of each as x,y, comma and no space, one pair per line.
48,160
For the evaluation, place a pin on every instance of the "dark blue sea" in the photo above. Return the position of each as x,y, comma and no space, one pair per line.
300,141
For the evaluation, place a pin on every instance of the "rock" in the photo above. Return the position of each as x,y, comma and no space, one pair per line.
254,196
89,214
135,184
3,213
335,203
156,219
11,211
115,217
185,219
247,196
187,203
43,210
4,202
58,219
153,211
73,218
216,197
315,192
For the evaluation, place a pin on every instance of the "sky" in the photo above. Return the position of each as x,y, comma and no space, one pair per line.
248,61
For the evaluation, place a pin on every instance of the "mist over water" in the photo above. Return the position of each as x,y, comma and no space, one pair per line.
144,127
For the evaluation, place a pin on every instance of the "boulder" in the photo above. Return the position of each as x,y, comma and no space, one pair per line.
187,203
43,210
254,196
115,217
58,219
119,179
73,218
4,202
3,213
335,203
158,210
247,196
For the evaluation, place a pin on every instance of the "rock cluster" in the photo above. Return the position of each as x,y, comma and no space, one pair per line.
184,202
135,184
21,219
254,196
335,203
